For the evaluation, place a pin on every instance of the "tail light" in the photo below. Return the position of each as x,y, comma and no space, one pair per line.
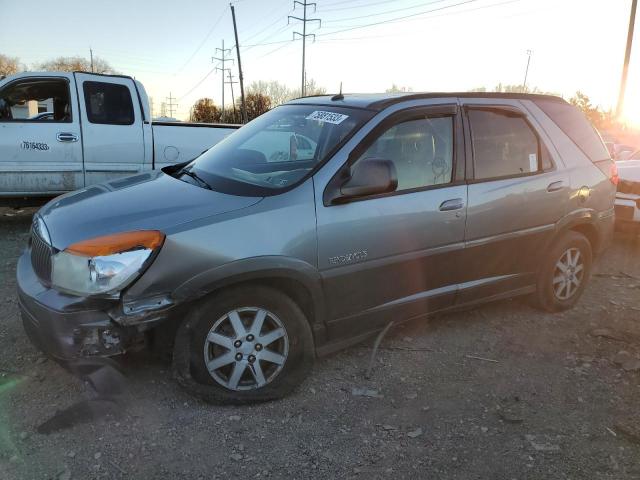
610,169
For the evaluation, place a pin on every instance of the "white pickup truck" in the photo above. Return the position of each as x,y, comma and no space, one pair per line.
64,131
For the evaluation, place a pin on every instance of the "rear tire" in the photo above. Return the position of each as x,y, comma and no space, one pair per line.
564,273
243,345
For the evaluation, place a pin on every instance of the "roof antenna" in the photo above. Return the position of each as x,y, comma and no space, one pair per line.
339,96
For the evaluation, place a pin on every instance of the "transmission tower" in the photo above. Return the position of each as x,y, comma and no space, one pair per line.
223,58
171,105
230,82
304,4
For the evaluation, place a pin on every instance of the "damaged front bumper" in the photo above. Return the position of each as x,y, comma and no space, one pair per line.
67,327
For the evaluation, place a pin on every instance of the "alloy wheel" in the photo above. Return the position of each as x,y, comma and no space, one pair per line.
246,348
568,274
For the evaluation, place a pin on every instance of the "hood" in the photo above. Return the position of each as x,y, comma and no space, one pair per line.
149,201
629,170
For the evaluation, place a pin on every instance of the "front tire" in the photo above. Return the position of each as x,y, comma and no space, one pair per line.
564,274
244,345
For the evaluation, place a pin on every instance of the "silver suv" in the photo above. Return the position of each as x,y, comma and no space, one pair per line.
316,224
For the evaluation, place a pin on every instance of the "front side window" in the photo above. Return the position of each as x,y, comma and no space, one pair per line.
36,100
276,150
504,145
421,150
108,103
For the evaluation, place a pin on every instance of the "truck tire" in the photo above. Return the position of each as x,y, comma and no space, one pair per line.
243,345
564,273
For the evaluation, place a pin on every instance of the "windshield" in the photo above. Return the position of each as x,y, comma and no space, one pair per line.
276,150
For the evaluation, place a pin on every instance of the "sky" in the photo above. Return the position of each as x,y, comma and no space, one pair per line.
368,45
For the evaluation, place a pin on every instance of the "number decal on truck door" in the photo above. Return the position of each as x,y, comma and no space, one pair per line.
25,145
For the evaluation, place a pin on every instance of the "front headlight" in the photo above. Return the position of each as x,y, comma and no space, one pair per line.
104,265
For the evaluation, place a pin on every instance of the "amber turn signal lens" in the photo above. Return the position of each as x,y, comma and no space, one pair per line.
117,243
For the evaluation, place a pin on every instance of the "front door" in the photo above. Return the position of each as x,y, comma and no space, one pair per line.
395,256
40,148
112,127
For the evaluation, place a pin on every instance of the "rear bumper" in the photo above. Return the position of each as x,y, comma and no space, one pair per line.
67,327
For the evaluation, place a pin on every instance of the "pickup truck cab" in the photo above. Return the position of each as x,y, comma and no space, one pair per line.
64,131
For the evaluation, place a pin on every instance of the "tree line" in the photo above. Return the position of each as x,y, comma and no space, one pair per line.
261,97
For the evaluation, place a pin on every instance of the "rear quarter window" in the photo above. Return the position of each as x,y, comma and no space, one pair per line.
576,126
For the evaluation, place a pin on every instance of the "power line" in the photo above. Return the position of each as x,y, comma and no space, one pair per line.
200,82
366,37
368,5
411,16
386,12
304,34
195,52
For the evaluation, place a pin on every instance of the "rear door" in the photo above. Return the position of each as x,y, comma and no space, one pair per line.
396,256
518,190
40,148
112,127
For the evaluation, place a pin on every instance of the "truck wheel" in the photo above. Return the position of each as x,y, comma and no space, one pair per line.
243,345
564,273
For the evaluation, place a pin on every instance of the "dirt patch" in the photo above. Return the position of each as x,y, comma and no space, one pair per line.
500,392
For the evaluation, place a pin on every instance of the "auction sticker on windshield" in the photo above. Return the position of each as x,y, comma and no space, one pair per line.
329,117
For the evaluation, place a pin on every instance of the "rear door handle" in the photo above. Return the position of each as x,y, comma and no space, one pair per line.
67,137
555,186
453,204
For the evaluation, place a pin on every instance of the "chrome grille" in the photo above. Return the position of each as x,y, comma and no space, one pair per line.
40,257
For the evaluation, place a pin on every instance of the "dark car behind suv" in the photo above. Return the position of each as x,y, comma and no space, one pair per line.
316,224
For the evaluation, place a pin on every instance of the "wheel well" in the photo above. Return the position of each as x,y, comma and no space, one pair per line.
161,338
590,232
295,290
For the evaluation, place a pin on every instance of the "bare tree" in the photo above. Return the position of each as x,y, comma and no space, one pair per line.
278,92
9,65
396,89
77,63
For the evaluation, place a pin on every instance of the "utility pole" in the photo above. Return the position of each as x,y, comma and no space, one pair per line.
91,55
304,34
223,52
526,72
171,105
240,77
233,100
627,56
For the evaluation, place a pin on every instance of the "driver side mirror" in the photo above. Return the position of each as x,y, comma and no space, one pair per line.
371,176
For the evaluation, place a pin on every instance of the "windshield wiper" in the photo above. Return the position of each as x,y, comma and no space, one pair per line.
196,177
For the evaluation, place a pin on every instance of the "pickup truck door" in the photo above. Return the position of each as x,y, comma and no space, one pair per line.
112,127
40,148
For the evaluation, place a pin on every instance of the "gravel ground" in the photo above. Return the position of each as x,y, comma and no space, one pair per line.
499,392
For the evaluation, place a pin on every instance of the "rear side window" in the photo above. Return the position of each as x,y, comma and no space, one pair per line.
504,145
576,126
108,103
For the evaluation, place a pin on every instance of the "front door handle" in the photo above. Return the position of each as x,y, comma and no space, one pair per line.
453,204
555,186
67,137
